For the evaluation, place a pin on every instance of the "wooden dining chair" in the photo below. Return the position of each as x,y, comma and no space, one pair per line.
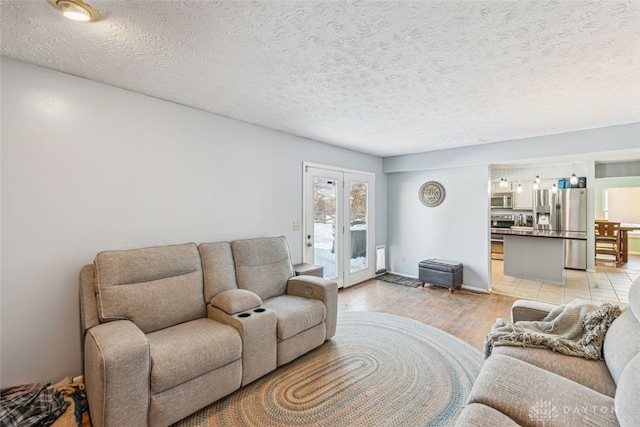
607,238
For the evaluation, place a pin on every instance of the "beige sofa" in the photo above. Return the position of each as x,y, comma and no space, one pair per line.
525,386
169,330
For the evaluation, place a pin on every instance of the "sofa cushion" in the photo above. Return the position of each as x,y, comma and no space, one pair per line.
218,268
186,351
528,310
236,300
590,373
263,265
478,415
622,342
627,407
296,314
530,395
153,287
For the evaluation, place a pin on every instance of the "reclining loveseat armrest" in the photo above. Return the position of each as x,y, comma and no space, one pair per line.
256,325
320,289
530,310
234,301
117,368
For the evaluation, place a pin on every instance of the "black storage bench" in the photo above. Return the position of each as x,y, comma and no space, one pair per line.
440,272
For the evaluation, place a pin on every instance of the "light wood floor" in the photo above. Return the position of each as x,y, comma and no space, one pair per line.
466,315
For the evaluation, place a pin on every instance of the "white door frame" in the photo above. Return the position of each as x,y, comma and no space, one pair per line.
345,277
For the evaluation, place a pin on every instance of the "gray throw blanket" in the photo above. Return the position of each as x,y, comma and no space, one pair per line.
575,329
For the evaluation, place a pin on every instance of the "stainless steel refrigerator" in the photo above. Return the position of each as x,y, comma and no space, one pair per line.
565,210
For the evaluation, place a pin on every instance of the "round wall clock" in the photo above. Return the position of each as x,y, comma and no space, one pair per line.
431,193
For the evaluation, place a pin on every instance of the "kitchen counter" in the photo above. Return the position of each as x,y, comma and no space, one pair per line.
541,255
537,254
573,235
534,255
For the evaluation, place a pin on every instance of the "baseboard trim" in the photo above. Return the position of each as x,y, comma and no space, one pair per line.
473,289
465,287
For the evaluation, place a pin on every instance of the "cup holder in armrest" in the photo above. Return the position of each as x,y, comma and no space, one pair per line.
256,310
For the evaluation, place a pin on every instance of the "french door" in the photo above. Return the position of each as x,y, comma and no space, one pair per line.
339,223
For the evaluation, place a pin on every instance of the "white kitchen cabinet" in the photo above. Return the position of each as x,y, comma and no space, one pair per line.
547,184
523,200
495,187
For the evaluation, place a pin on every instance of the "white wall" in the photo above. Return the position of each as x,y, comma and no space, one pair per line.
586,145
87,167
469,164
456,230
624,204
602,184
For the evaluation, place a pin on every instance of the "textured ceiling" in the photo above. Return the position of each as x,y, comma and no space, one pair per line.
386,77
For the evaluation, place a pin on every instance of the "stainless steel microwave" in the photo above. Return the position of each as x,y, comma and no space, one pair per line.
502,201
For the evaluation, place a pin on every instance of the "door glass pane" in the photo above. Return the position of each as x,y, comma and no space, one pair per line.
324,225
358,225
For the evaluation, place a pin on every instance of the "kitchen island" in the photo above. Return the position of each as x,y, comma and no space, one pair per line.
536,254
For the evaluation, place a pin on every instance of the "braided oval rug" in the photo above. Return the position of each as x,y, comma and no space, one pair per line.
378,370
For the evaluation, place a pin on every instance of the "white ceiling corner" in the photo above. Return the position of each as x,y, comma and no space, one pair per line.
385,77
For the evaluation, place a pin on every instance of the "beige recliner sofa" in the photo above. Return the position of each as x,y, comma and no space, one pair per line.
534,387
169,330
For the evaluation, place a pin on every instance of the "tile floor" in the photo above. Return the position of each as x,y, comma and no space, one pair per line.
606,283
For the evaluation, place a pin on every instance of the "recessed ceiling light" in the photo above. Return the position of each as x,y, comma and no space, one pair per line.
76,10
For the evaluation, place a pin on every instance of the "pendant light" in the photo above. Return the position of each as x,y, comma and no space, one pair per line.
536,182
503,181
519,187
574,179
